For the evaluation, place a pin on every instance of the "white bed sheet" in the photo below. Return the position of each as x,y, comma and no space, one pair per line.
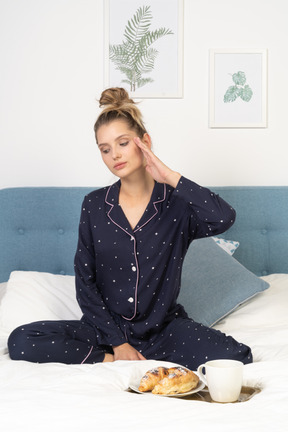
56,397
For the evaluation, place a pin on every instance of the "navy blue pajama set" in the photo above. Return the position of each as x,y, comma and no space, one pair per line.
128,281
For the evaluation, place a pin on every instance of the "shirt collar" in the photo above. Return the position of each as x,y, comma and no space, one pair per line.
117,216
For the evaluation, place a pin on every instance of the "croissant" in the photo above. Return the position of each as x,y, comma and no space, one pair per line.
179,380
152,377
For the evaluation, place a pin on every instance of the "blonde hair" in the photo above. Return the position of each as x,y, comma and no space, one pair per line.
119,106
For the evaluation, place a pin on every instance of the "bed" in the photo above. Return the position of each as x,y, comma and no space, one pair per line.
237,283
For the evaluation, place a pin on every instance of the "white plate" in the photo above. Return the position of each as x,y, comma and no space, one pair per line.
199,387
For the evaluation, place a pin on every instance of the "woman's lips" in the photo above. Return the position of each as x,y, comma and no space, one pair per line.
119,165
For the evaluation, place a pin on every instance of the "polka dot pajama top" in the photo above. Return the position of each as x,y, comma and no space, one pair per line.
128,280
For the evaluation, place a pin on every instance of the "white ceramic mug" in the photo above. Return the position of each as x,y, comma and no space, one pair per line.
223,379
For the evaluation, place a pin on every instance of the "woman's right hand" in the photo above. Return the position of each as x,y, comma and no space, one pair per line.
127,352
156,168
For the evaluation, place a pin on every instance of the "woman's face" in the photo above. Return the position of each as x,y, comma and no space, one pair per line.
118,149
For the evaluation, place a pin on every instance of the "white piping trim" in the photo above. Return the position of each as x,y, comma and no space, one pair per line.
133,238
87,355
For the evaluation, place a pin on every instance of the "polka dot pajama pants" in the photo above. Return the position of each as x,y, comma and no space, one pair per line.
183,341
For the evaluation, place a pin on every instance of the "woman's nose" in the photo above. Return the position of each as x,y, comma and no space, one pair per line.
116,154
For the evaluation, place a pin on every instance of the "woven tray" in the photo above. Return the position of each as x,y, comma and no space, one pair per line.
246,394
204,396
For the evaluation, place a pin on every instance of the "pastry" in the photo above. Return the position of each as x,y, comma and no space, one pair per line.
152,377
178,380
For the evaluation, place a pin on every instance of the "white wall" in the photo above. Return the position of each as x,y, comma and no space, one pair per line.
51,54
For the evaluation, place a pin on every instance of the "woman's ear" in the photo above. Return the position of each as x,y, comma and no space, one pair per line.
147,140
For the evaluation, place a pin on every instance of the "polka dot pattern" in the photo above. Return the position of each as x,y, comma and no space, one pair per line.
132,277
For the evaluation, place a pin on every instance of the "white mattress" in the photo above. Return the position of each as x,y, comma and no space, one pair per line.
56,397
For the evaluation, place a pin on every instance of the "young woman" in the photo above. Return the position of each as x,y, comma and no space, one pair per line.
133,237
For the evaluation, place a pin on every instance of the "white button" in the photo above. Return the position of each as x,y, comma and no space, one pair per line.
134,268
131,299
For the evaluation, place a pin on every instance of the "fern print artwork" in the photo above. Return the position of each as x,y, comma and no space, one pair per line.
239,89
135,56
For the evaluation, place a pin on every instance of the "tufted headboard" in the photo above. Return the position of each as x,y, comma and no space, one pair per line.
39,228
260,227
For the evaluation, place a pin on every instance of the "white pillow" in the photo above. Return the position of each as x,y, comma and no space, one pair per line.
3,286
35,296
267,309
229,246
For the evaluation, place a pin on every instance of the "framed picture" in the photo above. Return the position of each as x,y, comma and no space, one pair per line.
144,47
238,88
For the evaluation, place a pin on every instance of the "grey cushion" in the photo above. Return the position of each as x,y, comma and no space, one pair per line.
214,283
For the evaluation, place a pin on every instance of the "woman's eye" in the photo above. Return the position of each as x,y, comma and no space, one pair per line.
124,143
105,151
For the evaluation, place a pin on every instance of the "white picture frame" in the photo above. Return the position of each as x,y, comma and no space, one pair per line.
165,72
238,88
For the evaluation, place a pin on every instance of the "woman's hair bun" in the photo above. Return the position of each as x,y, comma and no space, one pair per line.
117,105
114,97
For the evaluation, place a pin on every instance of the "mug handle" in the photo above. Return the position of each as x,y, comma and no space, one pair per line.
200,373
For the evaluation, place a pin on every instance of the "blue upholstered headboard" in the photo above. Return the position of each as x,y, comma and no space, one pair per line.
39,227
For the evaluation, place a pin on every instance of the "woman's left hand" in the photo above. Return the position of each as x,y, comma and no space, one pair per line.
158,170
127,352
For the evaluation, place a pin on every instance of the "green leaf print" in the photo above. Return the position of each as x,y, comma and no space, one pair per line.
135,56
239,89
239,78
246,93
231,94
